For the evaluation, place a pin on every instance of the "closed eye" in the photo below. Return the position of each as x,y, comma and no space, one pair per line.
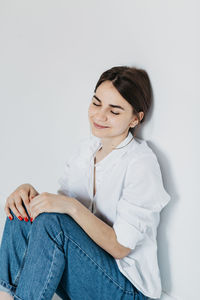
111,110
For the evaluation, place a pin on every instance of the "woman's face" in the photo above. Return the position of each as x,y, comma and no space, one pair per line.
102,111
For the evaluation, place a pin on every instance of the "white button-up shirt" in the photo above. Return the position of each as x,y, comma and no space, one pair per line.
129,197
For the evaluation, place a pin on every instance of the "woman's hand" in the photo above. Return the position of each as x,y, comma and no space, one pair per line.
22,195
46,202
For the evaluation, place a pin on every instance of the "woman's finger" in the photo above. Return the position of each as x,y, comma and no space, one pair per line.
7,211
36,213
15,211
38,209
20,208
33,193
25,199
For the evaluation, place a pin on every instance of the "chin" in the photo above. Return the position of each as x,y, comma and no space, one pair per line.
100,133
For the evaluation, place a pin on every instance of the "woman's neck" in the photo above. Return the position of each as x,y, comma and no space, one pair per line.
108,144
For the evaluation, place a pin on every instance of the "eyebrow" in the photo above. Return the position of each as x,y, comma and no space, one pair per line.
112,105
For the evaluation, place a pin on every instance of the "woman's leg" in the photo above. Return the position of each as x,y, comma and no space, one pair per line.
34,257
91,272
45,259
12,253
62,258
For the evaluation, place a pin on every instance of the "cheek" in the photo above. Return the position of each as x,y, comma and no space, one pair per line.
118,122
91,111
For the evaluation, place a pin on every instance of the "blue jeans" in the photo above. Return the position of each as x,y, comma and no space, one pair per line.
55,255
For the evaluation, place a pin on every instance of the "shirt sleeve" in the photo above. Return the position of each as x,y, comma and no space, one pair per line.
142,198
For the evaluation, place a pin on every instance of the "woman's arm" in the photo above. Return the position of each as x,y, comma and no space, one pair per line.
100,232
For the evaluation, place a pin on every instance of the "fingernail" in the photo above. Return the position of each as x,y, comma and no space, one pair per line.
20,218
26,219
10,217
31,219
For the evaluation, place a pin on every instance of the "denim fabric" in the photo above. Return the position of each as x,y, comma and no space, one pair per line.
55,255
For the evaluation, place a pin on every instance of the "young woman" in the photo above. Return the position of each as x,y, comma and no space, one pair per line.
95,238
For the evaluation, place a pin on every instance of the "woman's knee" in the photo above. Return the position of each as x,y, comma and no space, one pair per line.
47,224
15,226
53,224
48,218
15,235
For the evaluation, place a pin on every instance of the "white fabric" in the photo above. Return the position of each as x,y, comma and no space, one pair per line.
129,197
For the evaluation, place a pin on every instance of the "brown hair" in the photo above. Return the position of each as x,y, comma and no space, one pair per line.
134,85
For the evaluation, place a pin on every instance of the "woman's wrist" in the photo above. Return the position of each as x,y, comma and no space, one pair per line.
70,206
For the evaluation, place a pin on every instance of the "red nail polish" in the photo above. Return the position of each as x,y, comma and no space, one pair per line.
31,219
26,219
10,217
20,218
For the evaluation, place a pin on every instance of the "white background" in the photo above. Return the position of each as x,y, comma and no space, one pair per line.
51,56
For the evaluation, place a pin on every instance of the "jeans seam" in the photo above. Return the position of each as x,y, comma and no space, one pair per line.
22,264
16,297
8,286
49,275
128,292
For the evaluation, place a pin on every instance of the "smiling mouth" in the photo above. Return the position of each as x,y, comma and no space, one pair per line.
99,126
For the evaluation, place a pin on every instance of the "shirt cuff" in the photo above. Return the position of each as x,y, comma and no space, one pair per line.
127,235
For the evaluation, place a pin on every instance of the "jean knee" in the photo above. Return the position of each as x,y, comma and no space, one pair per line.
48,222
48,227
54,223
49,218
14,226
15,237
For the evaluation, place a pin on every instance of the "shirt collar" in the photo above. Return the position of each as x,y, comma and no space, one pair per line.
115,154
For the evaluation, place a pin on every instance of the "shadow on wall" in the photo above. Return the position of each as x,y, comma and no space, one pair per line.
162,239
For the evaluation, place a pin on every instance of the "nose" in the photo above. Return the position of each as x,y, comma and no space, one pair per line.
101,116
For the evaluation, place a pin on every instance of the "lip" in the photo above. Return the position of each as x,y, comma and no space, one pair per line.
99,126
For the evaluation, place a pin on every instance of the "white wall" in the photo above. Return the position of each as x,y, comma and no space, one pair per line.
51,56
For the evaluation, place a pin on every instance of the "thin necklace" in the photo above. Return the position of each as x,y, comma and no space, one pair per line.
125,145
122,146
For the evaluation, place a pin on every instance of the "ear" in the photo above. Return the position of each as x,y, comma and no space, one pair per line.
133,124
135,121
141,114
